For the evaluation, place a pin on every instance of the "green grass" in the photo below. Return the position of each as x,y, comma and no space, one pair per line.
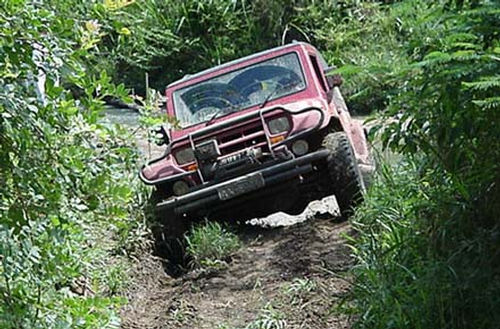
418,254
211,244
390,287
269,318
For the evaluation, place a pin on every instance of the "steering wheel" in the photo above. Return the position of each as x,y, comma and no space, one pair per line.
207,110
251,88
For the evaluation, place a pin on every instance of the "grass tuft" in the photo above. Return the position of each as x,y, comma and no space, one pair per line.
210,244
269,318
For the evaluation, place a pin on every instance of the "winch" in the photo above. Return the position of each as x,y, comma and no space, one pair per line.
211,167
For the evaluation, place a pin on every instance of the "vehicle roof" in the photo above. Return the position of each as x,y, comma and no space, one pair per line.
189,77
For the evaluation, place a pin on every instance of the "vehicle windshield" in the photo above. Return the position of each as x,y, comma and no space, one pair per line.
238,90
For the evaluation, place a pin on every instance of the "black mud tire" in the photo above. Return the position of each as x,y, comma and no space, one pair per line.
168,230
345,177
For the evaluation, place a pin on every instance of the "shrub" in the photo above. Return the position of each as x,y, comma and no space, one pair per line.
67,180
428,239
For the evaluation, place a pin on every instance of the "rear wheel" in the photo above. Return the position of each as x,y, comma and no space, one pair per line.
168,232
345,178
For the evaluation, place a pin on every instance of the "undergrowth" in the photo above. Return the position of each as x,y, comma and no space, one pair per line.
422,261
269,318
70,202
427,244
169,39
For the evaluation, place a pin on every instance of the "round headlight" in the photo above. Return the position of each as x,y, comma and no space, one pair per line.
278,125
180,187
184,156
300,147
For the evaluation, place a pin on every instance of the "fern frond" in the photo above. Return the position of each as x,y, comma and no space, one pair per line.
434,58
466,45
488,103
465,55
483,11
437,56
460,37
484,84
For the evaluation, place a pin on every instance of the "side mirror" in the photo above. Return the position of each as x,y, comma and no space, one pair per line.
333,80
161,136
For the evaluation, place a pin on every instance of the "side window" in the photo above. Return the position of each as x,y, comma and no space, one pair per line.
317,70
322,61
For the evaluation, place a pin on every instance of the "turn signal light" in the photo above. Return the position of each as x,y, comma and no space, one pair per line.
277,139
192,167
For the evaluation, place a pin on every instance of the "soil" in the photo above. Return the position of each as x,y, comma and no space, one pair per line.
293,275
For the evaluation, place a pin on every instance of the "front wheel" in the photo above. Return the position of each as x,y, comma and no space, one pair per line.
345,177
168,233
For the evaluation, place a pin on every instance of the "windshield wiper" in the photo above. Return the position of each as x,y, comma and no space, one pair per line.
219,111
276,89
212,118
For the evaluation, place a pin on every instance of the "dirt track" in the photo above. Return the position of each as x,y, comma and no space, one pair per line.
291,275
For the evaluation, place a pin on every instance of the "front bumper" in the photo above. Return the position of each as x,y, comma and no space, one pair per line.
237,187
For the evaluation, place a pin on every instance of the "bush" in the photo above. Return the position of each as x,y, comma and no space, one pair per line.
67,186
169,39
428,241
397,281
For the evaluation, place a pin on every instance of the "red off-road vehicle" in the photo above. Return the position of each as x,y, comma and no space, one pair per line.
264,133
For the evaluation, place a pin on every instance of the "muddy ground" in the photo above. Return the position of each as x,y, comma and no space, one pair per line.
291,277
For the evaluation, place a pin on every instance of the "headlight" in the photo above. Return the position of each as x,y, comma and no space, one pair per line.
184,156
278,125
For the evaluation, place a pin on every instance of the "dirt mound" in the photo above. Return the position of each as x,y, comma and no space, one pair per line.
289,277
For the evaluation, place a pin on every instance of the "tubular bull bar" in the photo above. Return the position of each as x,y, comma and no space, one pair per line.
239,186
216,127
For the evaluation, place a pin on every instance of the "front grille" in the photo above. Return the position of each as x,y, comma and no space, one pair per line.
241,138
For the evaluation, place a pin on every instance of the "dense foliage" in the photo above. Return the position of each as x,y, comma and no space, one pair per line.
169,39
67,196
429,231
